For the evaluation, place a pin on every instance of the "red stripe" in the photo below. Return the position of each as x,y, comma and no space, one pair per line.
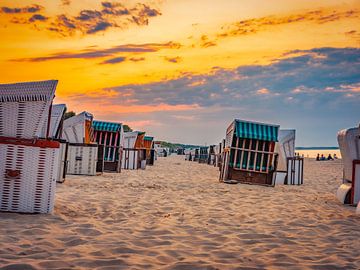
29,142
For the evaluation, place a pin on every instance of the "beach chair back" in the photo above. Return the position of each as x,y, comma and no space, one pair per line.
25,108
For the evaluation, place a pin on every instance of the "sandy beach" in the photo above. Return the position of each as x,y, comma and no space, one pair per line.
176,215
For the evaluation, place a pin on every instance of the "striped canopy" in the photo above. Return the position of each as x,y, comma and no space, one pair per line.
258,131
148,138
106,126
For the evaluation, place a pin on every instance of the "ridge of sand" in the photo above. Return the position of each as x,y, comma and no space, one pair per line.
176,215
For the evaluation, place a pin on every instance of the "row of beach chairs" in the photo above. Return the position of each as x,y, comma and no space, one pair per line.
39,147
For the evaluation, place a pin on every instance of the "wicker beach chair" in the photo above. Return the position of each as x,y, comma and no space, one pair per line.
249,156
82,155
109,135
349,144
28,165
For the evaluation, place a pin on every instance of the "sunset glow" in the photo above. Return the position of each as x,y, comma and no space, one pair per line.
193,65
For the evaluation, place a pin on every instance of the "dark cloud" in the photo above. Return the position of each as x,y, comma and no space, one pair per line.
93,52
37,17
28,9
100,26
115,60
87,22
173,59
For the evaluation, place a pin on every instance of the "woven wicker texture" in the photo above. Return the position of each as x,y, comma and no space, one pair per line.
82,160
57,114
28,178
74,128
24,108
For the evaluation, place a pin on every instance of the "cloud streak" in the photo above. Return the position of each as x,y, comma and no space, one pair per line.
252,26
93,53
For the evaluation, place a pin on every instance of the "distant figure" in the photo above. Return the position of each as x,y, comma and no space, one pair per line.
335,156
318,157
330,157
322,157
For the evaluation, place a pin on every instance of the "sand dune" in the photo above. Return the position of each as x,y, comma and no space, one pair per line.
176,215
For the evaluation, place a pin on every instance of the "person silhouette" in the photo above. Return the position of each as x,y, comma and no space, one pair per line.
318,157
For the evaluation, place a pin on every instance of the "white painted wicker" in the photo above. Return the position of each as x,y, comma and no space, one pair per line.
57,114
24,108
82,159
28,175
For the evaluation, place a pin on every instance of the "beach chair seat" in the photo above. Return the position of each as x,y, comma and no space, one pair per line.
28,172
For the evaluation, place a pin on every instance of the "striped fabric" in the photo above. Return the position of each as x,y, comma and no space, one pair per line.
148,138
106,126
258,131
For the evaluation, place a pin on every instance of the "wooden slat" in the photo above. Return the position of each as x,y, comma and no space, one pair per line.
110,147
236,151
242,154
248,158
256,153
262,157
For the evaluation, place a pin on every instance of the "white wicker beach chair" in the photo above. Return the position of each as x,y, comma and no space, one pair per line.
24,108
28,166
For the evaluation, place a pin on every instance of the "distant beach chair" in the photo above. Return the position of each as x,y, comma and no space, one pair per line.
349,144
290,167
150,151
249,156
82,151
28,165
134,151
203,154
109,136
211,156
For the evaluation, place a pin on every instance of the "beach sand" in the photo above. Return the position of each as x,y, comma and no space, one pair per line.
176,215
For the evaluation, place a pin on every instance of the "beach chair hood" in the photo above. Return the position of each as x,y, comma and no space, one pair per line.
24,108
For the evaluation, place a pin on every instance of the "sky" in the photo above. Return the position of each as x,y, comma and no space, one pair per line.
183,70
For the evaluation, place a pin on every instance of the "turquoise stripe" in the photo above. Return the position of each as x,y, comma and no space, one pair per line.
250,130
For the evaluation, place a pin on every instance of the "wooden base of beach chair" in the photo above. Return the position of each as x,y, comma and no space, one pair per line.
254,178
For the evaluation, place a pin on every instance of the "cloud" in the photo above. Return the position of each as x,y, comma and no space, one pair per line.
28,9
115,60
100,26
173,59
37,17
91,53
87,22
137,59
263,91
305,78
252,26
65,2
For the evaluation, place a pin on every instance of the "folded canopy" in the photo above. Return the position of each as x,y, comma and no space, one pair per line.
254,130
106,126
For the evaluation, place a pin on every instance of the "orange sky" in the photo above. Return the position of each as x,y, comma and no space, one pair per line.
93,51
